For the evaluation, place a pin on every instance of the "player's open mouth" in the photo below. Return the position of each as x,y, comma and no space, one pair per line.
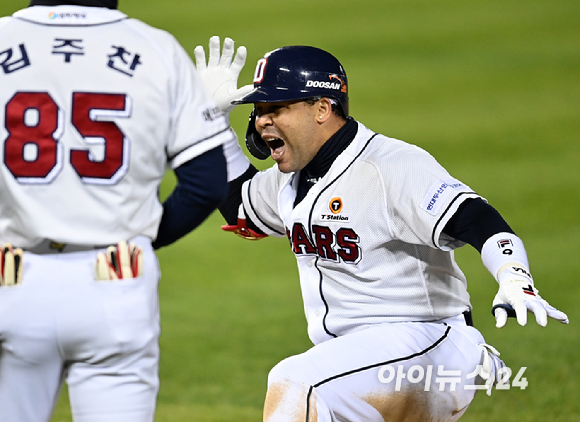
276,147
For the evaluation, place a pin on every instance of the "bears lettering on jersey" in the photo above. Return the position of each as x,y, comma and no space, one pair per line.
330,245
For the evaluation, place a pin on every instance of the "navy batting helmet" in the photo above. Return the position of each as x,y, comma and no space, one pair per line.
294,73
298,72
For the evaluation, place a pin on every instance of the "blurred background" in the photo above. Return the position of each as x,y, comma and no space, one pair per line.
490,88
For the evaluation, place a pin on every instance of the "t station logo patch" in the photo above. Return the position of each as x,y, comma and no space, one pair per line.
335,206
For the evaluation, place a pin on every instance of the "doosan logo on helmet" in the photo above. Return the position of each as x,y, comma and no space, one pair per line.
323,84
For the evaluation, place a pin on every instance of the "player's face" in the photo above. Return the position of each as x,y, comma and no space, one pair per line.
291,131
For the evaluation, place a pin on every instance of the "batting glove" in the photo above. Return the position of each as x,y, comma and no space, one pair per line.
125,260
10,265
491,366
517,291
220,75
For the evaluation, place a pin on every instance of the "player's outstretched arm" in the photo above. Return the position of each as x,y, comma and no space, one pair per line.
505,257
220,74
503,254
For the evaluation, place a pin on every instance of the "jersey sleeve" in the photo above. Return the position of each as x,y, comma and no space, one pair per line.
421,197
260,201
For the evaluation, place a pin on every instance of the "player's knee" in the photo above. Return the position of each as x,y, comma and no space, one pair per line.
287,401
288,396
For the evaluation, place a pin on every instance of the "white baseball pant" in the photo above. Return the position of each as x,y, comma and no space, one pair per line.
101,337
380,373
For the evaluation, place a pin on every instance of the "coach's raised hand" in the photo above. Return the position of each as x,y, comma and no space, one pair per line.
220,74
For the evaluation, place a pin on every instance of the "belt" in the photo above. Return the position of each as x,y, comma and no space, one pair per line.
51,247
468,318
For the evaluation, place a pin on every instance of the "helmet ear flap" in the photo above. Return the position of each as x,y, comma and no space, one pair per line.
254,142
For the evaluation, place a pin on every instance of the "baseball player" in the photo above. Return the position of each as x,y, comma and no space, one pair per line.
373,222
93,107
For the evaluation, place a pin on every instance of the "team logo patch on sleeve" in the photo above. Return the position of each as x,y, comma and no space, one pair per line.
435,198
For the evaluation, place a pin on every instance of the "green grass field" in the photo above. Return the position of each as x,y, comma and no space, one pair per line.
491,88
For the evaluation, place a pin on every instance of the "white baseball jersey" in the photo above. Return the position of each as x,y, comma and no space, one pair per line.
368,236
93,107
86,144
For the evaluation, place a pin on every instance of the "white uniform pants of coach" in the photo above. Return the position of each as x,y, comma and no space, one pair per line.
390,372
101,337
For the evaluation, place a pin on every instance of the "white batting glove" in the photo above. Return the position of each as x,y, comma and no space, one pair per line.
125,260
10,265
491,366
516,290
220,75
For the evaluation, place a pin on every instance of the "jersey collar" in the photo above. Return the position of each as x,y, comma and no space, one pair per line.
69,15
320,164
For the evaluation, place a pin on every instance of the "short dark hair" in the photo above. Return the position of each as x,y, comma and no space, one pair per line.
336,108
